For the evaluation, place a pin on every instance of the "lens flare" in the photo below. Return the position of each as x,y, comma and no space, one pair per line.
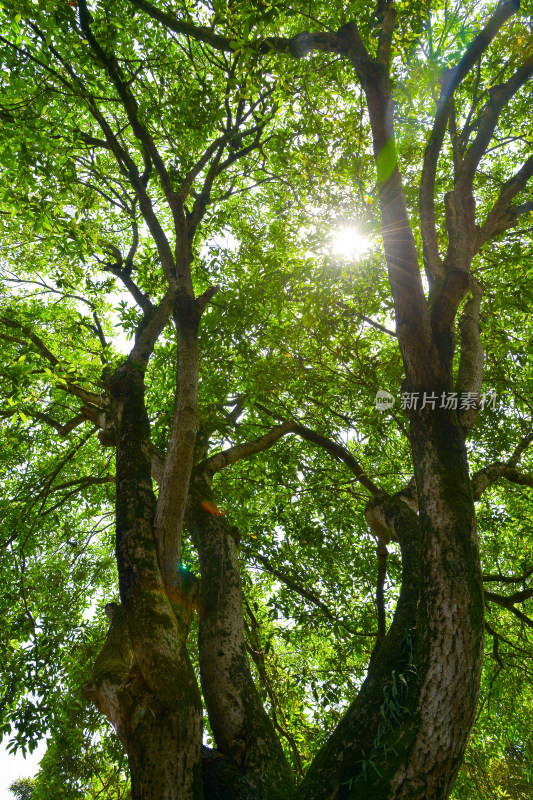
349,243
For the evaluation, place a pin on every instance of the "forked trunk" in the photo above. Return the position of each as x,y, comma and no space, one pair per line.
405,734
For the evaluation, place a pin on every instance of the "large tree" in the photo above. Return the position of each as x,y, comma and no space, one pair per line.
175,171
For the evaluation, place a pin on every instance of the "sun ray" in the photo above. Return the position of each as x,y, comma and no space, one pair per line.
349,243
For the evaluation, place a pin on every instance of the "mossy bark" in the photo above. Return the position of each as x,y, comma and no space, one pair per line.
362,740
143,680
405,734
243,731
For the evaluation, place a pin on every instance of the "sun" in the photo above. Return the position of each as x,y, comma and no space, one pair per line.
350,243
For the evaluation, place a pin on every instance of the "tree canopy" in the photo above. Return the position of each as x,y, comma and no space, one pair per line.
229,231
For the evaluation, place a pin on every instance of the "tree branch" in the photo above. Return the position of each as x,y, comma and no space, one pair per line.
383,54
503,12
498,578
220,460
170,21
502,215
520,448
126,165
72,388
339,452
499,97
482,479
298,46
500,636
233,454
174,486
412,318
150,328
110,63
257,654
450,81
470,372
508,603
142,299
297,587
62,429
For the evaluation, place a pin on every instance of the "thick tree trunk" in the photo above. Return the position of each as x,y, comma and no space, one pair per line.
406,733
162,747
450,614
156,731
143,680
243,731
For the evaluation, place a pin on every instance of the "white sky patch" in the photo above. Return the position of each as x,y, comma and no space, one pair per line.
16,766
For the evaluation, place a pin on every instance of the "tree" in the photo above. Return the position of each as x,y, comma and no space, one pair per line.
196,155
22,788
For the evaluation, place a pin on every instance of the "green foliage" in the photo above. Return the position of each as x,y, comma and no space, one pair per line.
22,788
295,331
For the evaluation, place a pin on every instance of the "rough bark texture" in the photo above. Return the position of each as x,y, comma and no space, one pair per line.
450,613
157,698
240,725
404,735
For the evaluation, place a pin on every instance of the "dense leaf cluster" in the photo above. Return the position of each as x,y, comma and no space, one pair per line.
297,332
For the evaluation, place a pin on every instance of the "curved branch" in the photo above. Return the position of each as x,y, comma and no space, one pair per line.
150,328
340,758
69,386
520,448
296,587
142,299
233,454
499,97
497,578
484,478
339,452
510,600
502,215
450,81
507,603
240,725
298,46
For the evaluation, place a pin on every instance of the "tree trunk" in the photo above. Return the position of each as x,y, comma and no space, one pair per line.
243,731
143,679
162,747
405,734
450,614
362,739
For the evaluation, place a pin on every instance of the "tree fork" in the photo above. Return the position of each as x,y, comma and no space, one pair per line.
367,738
163,718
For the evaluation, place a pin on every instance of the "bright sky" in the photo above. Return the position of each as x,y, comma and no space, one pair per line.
15,766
